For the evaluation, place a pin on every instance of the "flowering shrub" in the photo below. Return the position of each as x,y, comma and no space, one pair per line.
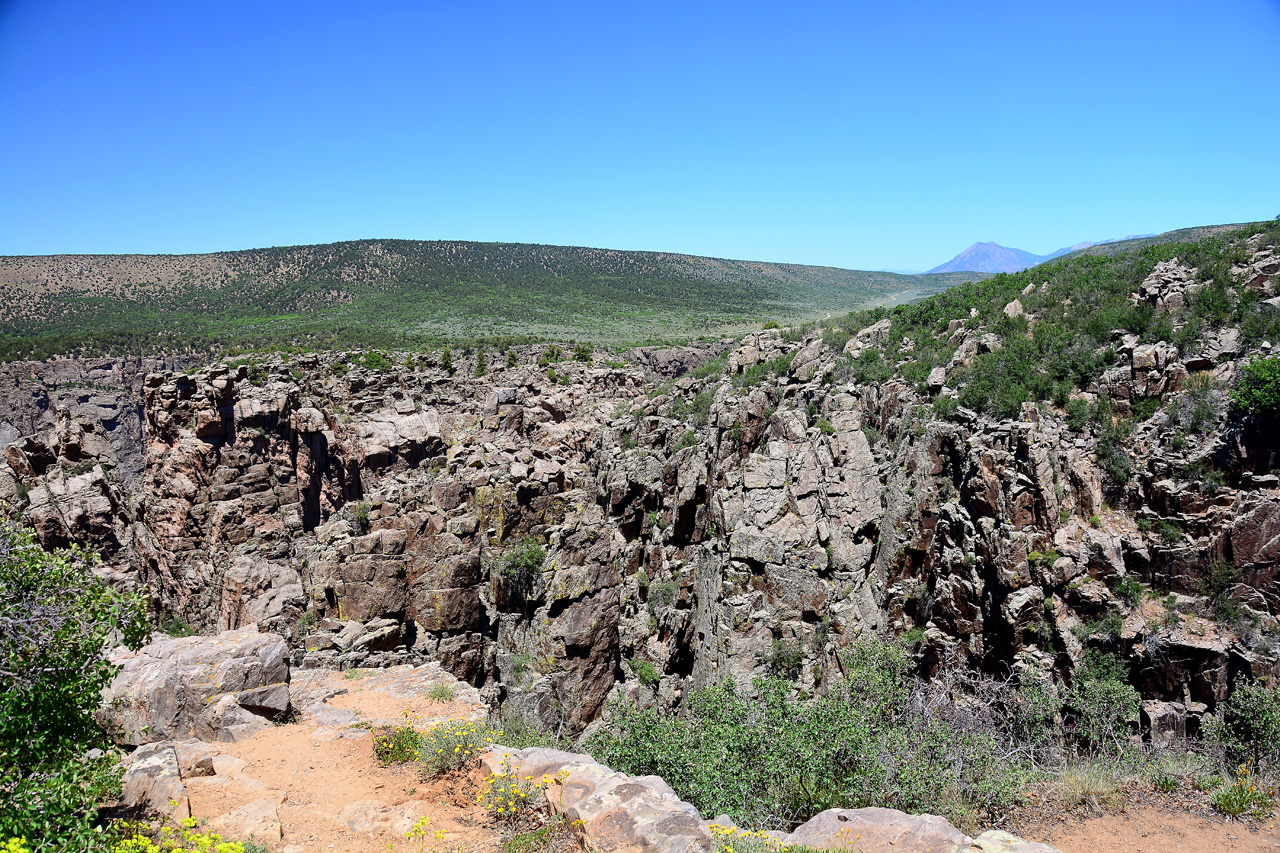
1245,796
183,839
733,840
452,745
397,746
508,797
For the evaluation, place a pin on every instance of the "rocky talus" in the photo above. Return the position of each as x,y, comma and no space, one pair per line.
374,511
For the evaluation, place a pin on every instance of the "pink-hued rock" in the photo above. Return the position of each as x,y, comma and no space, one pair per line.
224,688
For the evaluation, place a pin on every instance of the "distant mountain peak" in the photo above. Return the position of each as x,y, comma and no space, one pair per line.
992,257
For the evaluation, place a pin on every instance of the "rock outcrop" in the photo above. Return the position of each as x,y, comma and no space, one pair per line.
623,813
221,688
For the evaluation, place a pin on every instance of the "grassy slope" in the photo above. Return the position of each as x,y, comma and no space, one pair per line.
1181,235
401,293
1080,302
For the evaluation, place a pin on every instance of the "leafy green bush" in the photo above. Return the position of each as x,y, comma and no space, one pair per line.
1129,590
1216,587
689,439
1113,459
524,561
645,671
175,626
784,659
375,361
1257,389
1248,726
582,352
1102,702
56,617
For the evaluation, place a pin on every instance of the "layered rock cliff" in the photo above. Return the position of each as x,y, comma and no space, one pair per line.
698,513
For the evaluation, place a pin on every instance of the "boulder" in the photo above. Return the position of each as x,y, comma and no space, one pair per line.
257,820
153,781
878,831
219,688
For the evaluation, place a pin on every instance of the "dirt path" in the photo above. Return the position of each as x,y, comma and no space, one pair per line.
1151,828
319,778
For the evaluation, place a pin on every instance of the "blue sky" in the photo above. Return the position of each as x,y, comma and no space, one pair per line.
887,135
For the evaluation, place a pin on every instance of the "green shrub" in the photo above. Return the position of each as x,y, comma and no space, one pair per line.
1248,726
519,730
1216,586
1165,783
524,561
1102,702
446,360
397,745
175,626
1257,389
582,352
1077,414
306,623
375,361
770,759
663,595
56,617
1129,590
714,367
1206,782
442,691
1113,459
645,671
689,439
360,514
784,659
1245,796
1196,408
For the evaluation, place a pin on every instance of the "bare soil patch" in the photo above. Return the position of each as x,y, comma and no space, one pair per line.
1150,822
330,793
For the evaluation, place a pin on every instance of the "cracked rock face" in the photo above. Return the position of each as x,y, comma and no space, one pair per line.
688,524
222,688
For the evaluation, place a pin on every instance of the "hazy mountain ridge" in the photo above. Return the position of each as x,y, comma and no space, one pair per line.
993,258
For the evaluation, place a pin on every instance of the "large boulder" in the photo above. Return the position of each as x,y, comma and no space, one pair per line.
221,688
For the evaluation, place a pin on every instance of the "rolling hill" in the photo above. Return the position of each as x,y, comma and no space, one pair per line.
402,293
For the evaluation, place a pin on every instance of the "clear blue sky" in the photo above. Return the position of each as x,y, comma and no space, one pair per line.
885,135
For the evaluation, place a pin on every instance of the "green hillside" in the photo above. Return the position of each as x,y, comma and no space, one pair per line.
399,293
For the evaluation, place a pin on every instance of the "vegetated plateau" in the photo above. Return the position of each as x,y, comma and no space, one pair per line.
1021,536
400,294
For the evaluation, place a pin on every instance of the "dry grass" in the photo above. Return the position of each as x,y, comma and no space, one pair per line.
1092,785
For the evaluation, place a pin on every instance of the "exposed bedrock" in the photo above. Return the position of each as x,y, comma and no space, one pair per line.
689,527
